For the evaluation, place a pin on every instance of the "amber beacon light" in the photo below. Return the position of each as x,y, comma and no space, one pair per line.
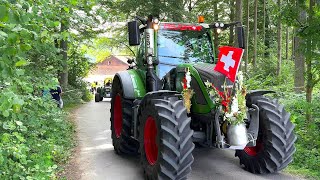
200,19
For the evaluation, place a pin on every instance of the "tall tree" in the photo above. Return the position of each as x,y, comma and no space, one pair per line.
298,53
63,75
247,35
279,38
287,42
238,15
232,8
216,35
264,26
309,57
255,36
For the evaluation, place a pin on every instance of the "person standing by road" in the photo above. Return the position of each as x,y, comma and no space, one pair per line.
56,95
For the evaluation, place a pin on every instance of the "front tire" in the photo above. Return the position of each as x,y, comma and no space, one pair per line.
275,142
121,121
165,139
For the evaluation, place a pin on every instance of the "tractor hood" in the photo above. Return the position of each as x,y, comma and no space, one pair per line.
207,73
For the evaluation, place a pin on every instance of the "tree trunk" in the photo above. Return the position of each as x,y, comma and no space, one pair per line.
298,56
287,43
231,37
247,36
279,38
264,27
255,33
63,76
238,17
309,57
216,35
299,65
268,34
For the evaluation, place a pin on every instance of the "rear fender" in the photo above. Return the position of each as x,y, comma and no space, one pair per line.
132,84
256,93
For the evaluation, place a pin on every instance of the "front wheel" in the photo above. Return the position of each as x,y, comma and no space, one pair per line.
121,121
165,139
275,143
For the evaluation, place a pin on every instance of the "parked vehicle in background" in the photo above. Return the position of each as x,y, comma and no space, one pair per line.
105,90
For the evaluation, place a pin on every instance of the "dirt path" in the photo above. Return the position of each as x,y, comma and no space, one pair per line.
94,158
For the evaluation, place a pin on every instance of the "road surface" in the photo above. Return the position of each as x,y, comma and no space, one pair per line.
96,160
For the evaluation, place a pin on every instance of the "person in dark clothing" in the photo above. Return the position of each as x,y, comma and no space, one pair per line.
56,95
108,83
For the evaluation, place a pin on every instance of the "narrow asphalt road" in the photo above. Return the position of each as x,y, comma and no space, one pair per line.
96,160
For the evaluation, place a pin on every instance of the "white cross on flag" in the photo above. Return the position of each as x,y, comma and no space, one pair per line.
229,61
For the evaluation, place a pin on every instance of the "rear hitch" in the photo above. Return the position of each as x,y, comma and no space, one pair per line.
220,142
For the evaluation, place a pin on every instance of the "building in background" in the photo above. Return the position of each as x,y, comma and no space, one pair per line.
108,67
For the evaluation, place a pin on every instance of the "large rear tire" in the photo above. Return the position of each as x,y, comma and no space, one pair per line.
275,143
165,139
121,121
97,97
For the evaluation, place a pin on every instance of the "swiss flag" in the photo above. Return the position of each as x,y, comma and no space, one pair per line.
229,61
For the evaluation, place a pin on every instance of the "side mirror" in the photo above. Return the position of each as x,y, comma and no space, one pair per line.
134,33
240,33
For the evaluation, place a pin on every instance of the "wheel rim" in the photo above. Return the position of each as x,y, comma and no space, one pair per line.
150,145
253,151
117,113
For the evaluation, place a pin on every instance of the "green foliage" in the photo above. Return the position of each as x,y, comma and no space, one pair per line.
264,76
34,134
307,156
80,94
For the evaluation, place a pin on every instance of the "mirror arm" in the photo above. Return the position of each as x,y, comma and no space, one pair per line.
141,19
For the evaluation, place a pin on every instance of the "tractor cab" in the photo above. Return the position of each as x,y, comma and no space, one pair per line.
182,43
178,43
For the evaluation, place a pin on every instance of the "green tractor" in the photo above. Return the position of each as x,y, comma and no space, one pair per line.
104,91
172,99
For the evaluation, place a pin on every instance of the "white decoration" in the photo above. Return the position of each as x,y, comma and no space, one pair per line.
188,78
234,108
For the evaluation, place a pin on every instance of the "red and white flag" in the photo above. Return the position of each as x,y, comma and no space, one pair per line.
229,61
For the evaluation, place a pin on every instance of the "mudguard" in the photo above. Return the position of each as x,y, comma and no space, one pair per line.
133,86
256,93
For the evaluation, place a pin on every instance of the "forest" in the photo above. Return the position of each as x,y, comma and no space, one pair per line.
46,41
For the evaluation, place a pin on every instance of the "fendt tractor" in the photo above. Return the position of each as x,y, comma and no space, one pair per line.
174,97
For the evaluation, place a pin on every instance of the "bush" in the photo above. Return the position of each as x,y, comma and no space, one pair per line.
78,93
307,156
34,141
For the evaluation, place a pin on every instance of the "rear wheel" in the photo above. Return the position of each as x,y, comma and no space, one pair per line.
275,144
97,97
121,121
165,139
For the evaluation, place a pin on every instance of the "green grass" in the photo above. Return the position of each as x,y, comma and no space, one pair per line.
302,172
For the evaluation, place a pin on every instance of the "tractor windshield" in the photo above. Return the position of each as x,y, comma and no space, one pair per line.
187,46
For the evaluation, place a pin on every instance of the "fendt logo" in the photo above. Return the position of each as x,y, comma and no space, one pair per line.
148,40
